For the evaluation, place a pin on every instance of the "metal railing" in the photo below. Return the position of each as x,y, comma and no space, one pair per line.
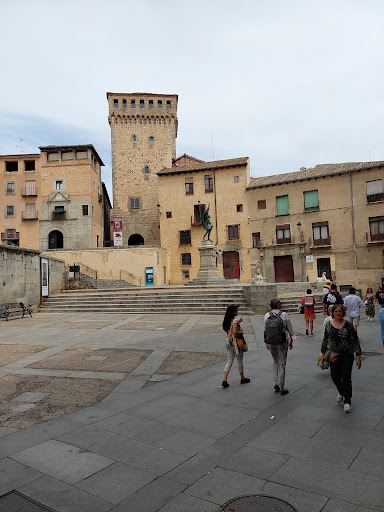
28,192
58,215
33,215
130,278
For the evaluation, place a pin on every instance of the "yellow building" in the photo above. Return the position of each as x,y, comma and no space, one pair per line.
20,177
185,192
329,218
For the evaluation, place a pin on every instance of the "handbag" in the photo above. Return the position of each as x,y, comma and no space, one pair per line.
301,309
240,343
331,356
323,364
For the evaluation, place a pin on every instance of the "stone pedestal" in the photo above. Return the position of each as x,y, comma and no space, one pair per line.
208,273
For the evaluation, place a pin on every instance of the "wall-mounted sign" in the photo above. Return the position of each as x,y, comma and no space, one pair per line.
117,238
309,258
148,276
117,231
44,277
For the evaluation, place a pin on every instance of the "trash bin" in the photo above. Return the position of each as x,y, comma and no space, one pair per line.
358,292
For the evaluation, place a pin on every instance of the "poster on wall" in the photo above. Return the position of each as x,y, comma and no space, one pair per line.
117,231
44,277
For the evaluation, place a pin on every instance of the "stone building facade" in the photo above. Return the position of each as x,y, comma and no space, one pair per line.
143,141
185,192
329,218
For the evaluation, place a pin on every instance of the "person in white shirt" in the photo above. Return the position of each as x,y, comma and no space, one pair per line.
352,302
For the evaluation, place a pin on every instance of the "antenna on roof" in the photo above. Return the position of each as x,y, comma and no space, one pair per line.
21,145
213,150
369,156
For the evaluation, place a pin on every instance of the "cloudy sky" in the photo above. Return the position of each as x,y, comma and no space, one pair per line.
289,83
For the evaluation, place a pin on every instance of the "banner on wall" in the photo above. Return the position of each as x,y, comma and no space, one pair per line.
44,277
117,231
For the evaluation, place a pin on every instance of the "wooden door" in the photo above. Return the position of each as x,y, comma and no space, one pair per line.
284,269
231,266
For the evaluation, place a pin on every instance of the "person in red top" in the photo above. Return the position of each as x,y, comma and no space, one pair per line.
309,311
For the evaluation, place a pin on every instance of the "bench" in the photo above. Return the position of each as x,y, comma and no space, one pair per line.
8,307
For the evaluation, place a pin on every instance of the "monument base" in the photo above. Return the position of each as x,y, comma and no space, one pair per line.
208,273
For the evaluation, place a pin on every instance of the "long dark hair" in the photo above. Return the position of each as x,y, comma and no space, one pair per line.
229,316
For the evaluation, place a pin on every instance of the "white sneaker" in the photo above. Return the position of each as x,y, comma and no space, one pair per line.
339,398
347,408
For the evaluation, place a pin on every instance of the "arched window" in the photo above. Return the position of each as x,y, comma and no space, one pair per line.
136,239
55,240
146,170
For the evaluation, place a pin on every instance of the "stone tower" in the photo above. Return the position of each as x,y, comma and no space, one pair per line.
143,140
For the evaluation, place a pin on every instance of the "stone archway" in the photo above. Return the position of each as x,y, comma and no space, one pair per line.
55,240
136,239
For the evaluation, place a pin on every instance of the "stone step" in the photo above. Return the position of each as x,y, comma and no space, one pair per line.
143,310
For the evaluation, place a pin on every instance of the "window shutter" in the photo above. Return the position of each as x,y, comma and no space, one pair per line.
282,204
311,200
374,187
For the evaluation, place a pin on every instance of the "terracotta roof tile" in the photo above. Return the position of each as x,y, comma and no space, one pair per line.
313,172
204,166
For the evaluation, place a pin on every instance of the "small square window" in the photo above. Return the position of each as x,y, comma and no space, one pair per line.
133,104
239,207
59,185
185,275
150,103
168,105
135,203
151,141
189,189
185,237
11,166
186,259
115,103
85,209
262,204
159,104
124,103
141,103
236,179
10,210
169,215
11,187
29,165
146,169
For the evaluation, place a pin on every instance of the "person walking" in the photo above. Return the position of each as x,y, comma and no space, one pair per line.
381,320
278,337
369,301
352,302
333,297
231,326
340,343
380,297
309,311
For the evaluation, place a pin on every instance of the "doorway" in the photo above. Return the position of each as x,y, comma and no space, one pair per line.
55,240
324,265
284,269
231,265
136,239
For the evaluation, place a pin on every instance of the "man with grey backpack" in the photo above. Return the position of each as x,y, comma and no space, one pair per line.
278,335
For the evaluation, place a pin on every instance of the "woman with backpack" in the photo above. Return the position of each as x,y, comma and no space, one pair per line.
278,334
232,327
308,301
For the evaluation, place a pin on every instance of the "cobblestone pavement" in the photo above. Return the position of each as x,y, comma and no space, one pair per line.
150,440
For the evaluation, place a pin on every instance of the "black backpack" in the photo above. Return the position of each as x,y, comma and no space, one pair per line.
274,332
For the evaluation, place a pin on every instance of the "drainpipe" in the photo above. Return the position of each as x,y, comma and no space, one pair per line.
353,221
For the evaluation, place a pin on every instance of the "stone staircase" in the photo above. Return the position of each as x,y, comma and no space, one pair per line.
291,303
189,300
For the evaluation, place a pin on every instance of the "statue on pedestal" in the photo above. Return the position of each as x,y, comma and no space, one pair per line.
207,224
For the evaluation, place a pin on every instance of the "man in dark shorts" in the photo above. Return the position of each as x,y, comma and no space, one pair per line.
380,297
333,297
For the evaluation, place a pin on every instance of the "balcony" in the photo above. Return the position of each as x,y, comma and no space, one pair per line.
29,215
15,236
30,192
320,242
58,215
375,198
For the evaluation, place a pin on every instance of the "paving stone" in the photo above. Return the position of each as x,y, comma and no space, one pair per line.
186,503
13,474
221,485
231,412
148,411
301,500
369,461
86,437
140,455
345,435
186,443
254,462
62,461
295,426
30,397
62,497
151,497
342,506
4,431
116,482
306,448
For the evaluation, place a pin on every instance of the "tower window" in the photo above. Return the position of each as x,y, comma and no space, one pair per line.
168,105
239,207
124,103
146,170
141,103
134,141
133,104
85,209
168,215
135,203
59,185
150,104
151,141
159,104
236,179
115,103
11,166
29,165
